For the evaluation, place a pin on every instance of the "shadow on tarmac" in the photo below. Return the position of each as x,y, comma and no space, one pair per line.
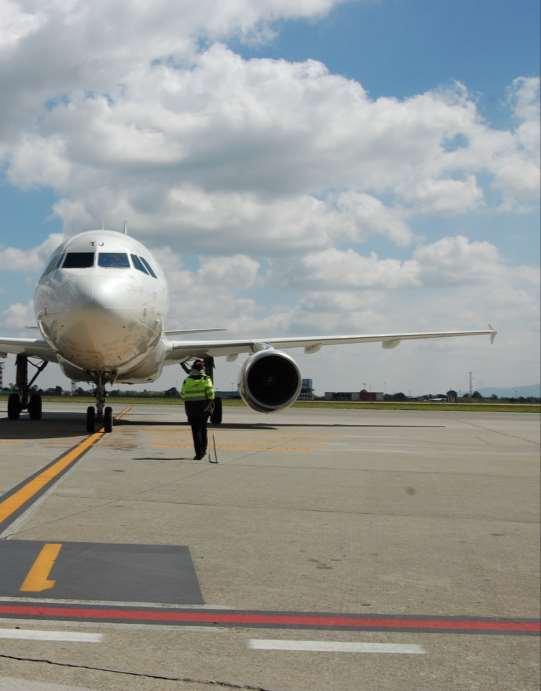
63,425
51,426
163,458
262,426
183,423
346,425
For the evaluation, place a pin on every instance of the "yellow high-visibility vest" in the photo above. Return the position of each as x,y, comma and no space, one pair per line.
197,388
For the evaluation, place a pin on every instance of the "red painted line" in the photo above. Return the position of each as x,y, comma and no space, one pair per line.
263,619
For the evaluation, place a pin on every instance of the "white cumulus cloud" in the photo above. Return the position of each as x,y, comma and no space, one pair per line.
31,259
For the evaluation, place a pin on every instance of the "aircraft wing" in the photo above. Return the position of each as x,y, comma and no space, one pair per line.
181,350
33,347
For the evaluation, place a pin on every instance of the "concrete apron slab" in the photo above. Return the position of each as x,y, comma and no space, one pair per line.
394,513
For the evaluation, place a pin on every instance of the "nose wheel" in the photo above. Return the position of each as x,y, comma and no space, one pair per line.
93,420
108,419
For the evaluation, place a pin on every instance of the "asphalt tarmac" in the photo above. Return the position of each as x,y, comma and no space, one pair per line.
327,549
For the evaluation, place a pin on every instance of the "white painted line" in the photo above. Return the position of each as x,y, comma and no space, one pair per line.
335,647
14,684
157,605
40,635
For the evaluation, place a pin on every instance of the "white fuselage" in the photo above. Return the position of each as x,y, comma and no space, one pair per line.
104,314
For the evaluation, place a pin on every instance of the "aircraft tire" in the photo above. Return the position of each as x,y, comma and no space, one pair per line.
108,419
91,419
14,406
35,407
217,413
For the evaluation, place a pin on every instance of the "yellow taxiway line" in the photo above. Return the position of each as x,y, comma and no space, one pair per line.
29,490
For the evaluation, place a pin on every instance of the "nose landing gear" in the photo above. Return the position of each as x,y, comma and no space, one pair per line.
101,413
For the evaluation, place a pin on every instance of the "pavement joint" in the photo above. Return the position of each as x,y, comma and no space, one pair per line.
140,675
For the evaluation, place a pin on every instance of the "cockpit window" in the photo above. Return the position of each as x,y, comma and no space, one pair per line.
53,264
137,263
148,267
78,260
113,260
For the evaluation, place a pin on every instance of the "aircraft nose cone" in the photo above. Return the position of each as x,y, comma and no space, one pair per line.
102,324
103,295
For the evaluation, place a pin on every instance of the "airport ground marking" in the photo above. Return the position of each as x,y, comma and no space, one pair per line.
334,646
60,636
123,412
279,620
23,495
30,489
37,579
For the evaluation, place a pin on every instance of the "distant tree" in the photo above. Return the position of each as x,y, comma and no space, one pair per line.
399,396
476,395
58,390
494,397
452,396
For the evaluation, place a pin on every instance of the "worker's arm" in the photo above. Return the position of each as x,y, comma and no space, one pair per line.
183,389
209,389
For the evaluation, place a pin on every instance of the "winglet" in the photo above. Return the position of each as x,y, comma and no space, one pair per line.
493,334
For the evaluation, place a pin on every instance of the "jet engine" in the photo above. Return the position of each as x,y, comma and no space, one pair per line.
269,380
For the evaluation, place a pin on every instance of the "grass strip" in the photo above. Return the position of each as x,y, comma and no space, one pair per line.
348,405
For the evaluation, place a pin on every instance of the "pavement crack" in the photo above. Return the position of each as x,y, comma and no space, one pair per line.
160,677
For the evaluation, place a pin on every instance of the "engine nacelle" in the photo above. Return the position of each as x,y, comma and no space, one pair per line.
269,380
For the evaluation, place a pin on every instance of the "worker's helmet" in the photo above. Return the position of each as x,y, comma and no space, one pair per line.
198,364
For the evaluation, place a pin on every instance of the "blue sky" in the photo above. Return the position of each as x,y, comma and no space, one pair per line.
400,48
324,179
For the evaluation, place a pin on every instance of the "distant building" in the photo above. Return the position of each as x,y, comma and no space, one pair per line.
362,395
365,395
341,395
173,392
307,390
228,394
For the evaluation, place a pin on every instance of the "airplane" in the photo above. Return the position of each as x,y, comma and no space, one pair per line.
101,306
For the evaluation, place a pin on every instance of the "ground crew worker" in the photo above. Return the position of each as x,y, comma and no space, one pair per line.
198,395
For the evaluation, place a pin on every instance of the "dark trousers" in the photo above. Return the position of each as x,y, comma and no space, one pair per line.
197,417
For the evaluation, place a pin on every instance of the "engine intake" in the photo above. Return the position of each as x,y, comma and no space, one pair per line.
269,381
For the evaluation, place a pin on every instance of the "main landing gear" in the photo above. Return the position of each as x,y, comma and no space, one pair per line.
23,399
101,413
217,413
